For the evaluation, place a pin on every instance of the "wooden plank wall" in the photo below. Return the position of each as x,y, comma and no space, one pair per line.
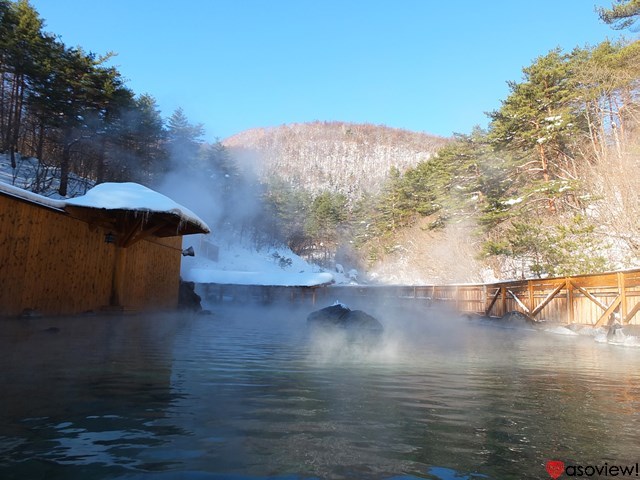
152,274
55,264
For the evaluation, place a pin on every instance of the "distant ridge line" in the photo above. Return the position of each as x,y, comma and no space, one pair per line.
348,158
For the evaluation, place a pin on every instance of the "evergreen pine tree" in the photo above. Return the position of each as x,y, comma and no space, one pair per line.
622,14
183,139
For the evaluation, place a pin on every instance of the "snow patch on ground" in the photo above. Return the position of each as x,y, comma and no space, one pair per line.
240,264
39,178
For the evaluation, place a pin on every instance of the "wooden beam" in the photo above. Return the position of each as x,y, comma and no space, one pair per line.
589,296
129,231
548,298
142,234
608,312
493,301
92,216
631,313
519,302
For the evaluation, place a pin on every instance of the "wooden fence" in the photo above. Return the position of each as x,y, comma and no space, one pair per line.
595,300
588,299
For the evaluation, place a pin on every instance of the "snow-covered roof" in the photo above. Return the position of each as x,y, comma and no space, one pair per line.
134,197
30,196
131,197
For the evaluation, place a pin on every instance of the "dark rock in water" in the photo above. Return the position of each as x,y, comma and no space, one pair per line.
355,322
52,330
328,316
188,299
520,318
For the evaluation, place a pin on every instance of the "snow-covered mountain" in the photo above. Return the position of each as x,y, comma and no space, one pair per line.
335,156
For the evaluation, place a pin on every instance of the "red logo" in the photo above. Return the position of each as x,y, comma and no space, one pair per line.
555,468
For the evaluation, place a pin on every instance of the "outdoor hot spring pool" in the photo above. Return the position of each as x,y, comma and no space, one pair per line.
249,393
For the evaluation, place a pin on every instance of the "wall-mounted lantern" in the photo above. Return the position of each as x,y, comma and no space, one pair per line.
188,252
109,238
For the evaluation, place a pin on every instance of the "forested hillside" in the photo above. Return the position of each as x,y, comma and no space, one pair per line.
338,157
550,188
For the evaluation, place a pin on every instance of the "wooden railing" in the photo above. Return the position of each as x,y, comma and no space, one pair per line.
595,300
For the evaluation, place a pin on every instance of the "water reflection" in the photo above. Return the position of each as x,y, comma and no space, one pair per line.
249,394
83,392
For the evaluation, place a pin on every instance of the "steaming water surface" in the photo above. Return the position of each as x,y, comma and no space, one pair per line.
249,393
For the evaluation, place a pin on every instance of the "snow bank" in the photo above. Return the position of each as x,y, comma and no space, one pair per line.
239,264
203,275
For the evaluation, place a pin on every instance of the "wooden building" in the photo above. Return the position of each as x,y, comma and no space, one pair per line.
57,258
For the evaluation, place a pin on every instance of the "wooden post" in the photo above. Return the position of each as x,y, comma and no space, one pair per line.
484,299
117,284
530,288
622,290
487,310
570,307
503,300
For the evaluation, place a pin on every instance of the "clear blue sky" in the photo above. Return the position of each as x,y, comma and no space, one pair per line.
424,65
